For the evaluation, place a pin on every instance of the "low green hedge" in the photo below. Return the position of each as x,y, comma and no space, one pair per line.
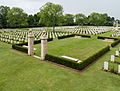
96,56
20,48
66,36
115,43
102,37
63,61
88,36
76,65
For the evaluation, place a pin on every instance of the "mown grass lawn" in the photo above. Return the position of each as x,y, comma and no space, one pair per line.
80,48
107,34
19,72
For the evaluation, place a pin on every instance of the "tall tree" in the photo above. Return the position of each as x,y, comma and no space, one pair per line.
17,18
97,19
51,14
81,19
3,16
68,19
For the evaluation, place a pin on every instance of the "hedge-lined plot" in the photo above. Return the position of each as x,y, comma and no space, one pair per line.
76,48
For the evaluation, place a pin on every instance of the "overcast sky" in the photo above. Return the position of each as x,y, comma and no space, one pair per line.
70,6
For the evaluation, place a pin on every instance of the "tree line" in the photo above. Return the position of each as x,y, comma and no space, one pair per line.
50,14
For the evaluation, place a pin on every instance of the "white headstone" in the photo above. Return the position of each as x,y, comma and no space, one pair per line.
105,66
119,69
116,53
112,58
119,49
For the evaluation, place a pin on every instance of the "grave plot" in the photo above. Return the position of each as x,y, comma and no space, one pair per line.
75,49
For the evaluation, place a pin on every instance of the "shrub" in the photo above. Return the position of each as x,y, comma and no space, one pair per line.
62,61
66,36
115,43
88,36
101,37
20,48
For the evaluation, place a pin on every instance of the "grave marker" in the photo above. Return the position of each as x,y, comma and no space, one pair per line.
105,66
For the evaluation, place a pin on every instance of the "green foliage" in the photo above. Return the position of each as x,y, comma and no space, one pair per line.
3,16
33,21
20,48
17,18
97,19
88,36
68,19
115,43
81,19
66,36
50,14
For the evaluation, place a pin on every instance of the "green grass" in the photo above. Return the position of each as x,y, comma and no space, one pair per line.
74,47
19,72
107,34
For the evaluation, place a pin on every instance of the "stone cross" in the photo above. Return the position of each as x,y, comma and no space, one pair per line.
30,43
112,58
44,47
118,69
105,66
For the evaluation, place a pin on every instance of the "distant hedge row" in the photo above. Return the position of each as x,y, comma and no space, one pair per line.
75,65
73,35
102,37
116,42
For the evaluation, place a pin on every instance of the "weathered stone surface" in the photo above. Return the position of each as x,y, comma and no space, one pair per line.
30,43
44,47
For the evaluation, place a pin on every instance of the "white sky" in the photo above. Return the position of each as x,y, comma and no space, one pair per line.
111,7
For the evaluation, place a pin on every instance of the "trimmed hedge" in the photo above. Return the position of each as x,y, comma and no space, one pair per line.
73,35
63,61
88,36
115,43
20,48
66,36
101,37
76,65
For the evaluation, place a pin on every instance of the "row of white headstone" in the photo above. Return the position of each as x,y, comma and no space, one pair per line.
106,63
106,67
